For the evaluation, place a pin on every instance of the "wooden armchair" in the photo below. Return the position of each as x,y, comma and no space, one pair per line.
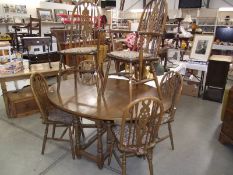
138,130
49,114
146,45
170,89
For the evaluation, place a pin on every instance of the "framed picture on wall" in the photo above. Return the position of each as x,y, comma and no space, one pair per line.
173,54
45,14
21,9
58,12
201,48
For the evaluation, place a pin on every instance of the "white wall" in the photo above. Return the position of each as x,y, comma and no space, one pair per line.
221,3
215,4
130,4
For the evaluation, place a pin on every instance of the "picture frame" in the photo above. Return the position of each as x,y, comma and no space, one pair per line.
59,11
173,54
201,48
18,19
21,9
45,14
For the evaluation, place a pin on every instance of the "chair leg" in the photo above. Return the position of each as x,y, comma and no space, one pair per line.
63,133
123,164
59,72
111,151
149,159
54,130
170,135
45,138
71,143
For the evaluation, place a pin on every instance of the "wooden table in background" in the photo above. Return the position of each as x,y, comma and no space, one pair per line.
26,98
85,102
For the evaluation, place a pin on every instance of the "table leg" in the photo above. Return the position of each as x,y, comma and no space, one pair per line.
77,137
100,162
60,72
5,97
201,83
109,137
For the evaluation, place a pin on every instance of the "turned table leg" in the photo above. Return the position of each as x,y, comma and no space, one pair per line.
5,97
100,161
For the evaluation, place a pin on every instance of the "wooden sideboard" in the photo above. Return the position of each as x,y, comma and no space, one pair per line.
226,134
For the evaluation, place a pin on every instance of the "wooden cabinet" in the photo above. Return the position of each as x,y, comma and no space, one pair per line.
226,134
22,103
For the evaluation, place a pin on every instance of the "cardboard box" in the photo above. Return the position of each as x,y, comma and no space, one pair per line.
190,89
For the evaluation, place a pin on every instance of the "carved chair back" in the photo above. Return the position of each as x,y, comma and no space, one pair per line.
85,23
39,89
171,87
151,26
140,124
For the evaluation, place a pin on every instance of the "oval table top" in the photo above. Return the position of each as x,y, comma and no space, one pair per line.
85,102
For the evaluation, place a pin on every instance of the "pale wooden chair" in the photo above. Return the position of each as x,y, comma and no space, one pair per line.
170,89
137,132
50,115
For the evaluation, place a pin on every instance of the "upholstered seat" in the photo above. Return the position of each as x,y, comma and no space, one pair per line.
131,56
57,115
80,50
117,132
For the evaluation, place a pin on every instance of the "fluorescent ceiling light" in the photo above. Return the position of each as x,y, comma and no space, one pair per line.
136,10
226,9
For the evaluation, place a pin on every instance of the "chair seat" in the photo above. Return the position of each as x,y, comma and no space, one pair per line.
80,50
117,132
130,56
167,105
56,115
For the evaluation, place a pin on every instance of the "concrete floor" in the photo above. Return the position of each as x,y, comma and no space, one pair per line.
197,150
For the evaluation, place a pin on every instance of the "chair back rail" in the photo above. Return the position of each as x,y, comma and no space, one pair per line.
151,26
170,88
140,124
40,89
85,23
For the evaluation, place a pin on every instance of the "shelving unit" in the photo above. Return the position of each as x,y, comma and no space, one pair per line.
206,19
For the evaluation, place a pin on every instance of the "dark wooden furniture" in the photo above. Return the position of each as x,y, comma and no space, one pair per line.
136,136
21,102
170,87
85,102
216,77
50,115
33,29
226,134
36,41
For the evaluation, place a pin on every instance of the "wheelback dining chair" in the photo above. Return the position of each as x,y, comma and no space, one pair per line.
83,38
136,136
170,89
51,116
146,45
